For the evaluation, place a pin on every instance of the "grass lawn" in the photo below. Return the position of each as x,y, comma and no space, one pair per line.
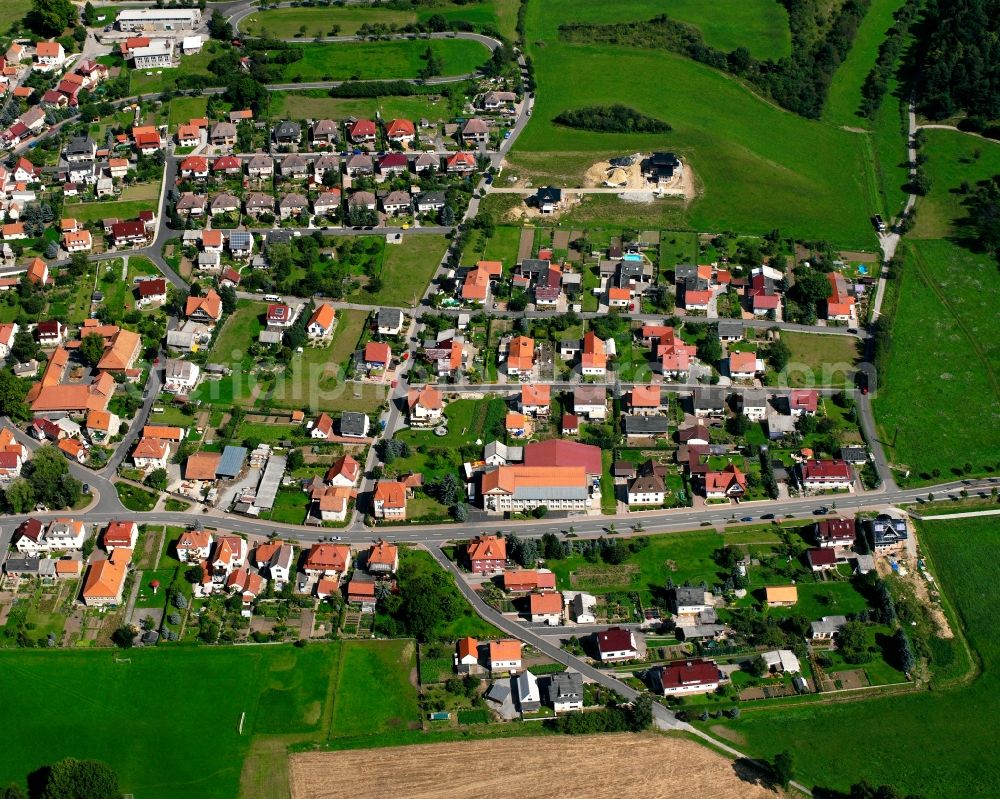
943,729
135,498
285,23
503,246
158,80
383,60
844,99
290,506
122,209
952,157
818,359
161,704
407,268
238,332
375,692
760,25
13,12
758,167
317,105
945,354
184,109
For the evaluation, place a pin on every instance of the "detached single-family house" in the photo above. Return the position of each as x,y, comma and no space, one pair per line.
615,644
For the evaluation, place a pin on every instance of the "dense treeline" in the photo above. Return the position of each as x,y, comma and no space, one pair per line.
983,220
612,119
799,82
959,56
877,83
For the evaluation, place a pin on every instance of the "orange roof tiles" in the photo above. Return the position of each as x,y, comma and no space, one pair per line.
536,394
505,650
202,466
521,354
391,494
487,547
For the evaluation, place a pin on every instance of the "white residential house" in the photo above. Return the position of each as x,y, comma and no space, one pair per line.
582,608
180,377
159,53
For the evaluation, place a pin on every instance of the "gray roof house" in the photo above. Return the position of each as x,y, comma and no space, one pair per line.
687,275
360,164
222,132
286,132
730,329
324,130
644,426
240,242
258,203
529,698
353,424
292,204
192,204
709,401
396,202
565,691
429,201
887,531
389,321
426,162
294,166
260,165
224,204
80,148
325,163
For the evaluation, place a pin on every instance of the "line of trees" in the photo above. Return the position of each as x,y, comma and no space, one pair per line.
877,82
615,118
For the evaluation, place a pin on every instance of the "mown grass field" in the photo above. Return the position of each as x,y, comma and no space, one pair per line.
383,60
952,158
319,106
286,23
13,12
123,209
149,717
183,109
938,395
376,690
944,730
757,167
407,268
818,359
844,99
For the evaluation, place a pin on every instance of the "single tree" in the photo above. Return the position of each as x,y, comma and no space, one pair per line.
92,348
81,779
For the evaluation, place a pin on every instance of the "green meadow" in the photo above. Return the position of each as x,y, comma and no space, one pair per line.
383,60
757,167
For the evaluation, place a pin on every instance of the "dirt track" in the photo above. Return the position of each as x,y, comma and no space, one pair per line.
556,767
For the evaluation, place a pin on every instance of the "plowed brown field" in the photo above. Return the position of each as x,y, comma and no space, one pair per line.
557,767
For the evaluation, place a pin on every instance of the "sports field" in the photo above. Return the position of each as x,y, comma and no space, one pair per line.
758,167
946,354
383,60
658,768
945,731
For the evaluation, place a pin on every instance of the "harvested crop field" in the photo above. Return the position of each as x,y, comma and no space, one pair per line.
658,768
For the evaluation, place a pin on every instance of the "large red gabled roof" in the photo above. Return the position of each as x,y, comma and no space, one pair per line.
557,452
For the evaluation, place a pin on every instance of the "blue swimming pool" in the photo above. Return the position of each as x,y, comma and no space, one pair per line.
862,269
631,257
